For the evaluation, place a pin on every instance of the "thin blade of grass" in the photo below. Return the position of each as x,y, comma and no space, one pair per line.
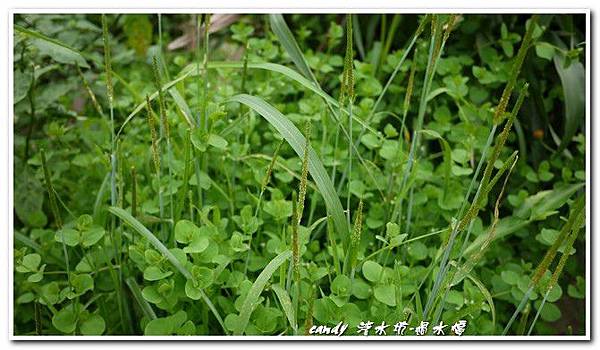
405,53
573,86
287,40
487,295
142,230
286,305
137,295
257,288
435,50
55,212
447,154
67,54
192,70
297,141
182,105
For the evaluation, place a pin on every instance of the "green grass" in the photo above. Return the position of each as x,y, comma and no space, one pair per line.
265,179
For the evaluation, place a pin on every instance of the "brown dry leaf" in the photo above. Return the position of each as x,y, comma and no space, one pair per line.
188,39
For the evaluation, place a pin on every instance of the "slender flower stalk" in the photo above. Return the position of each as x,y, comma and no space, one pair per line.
347,94
572,226
155,153
350,265
263,187
560,266
166,134
55,212
133,192
90,93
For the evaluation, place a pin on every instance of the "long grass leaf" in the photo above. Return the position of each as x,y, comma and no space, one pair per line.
257,288
184,108
286,305
137,295
297,141
142,230
192,70
487,295
156,243
59,51
447,155
287,40
572,79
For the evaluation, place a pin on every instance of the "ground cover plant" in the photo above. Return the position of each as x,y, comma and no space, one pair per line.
276,175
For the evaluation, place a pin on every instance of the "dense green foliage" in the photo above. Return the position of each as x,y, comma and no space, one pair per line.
265,174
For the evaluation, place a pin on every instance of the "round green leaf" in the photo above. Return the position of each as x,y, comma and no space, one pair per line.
82,283
192,291
217,141
30,263
202,276
361,289
154,273
371,270
555,294
418,250
65,320
544,50
341,285
550,312
197,245
455,297
385,294
510,277
94,325
151,294
91,236
67,235
186,231
159,326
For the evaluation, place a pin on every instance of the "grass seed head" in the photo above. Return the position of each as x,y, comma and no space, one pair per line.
567,249
304,177
270,168
576,210
347,88
107,59
161,97
514,72
356,235
153,134
90,93
295,241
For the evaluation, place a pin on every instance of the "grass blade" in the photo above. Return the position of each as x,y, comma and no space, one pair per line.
257,288
192,70
182,105
137,295
297,141
287,40
59,51
447,154
55,212
573,86
486,294
286,305
142,230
